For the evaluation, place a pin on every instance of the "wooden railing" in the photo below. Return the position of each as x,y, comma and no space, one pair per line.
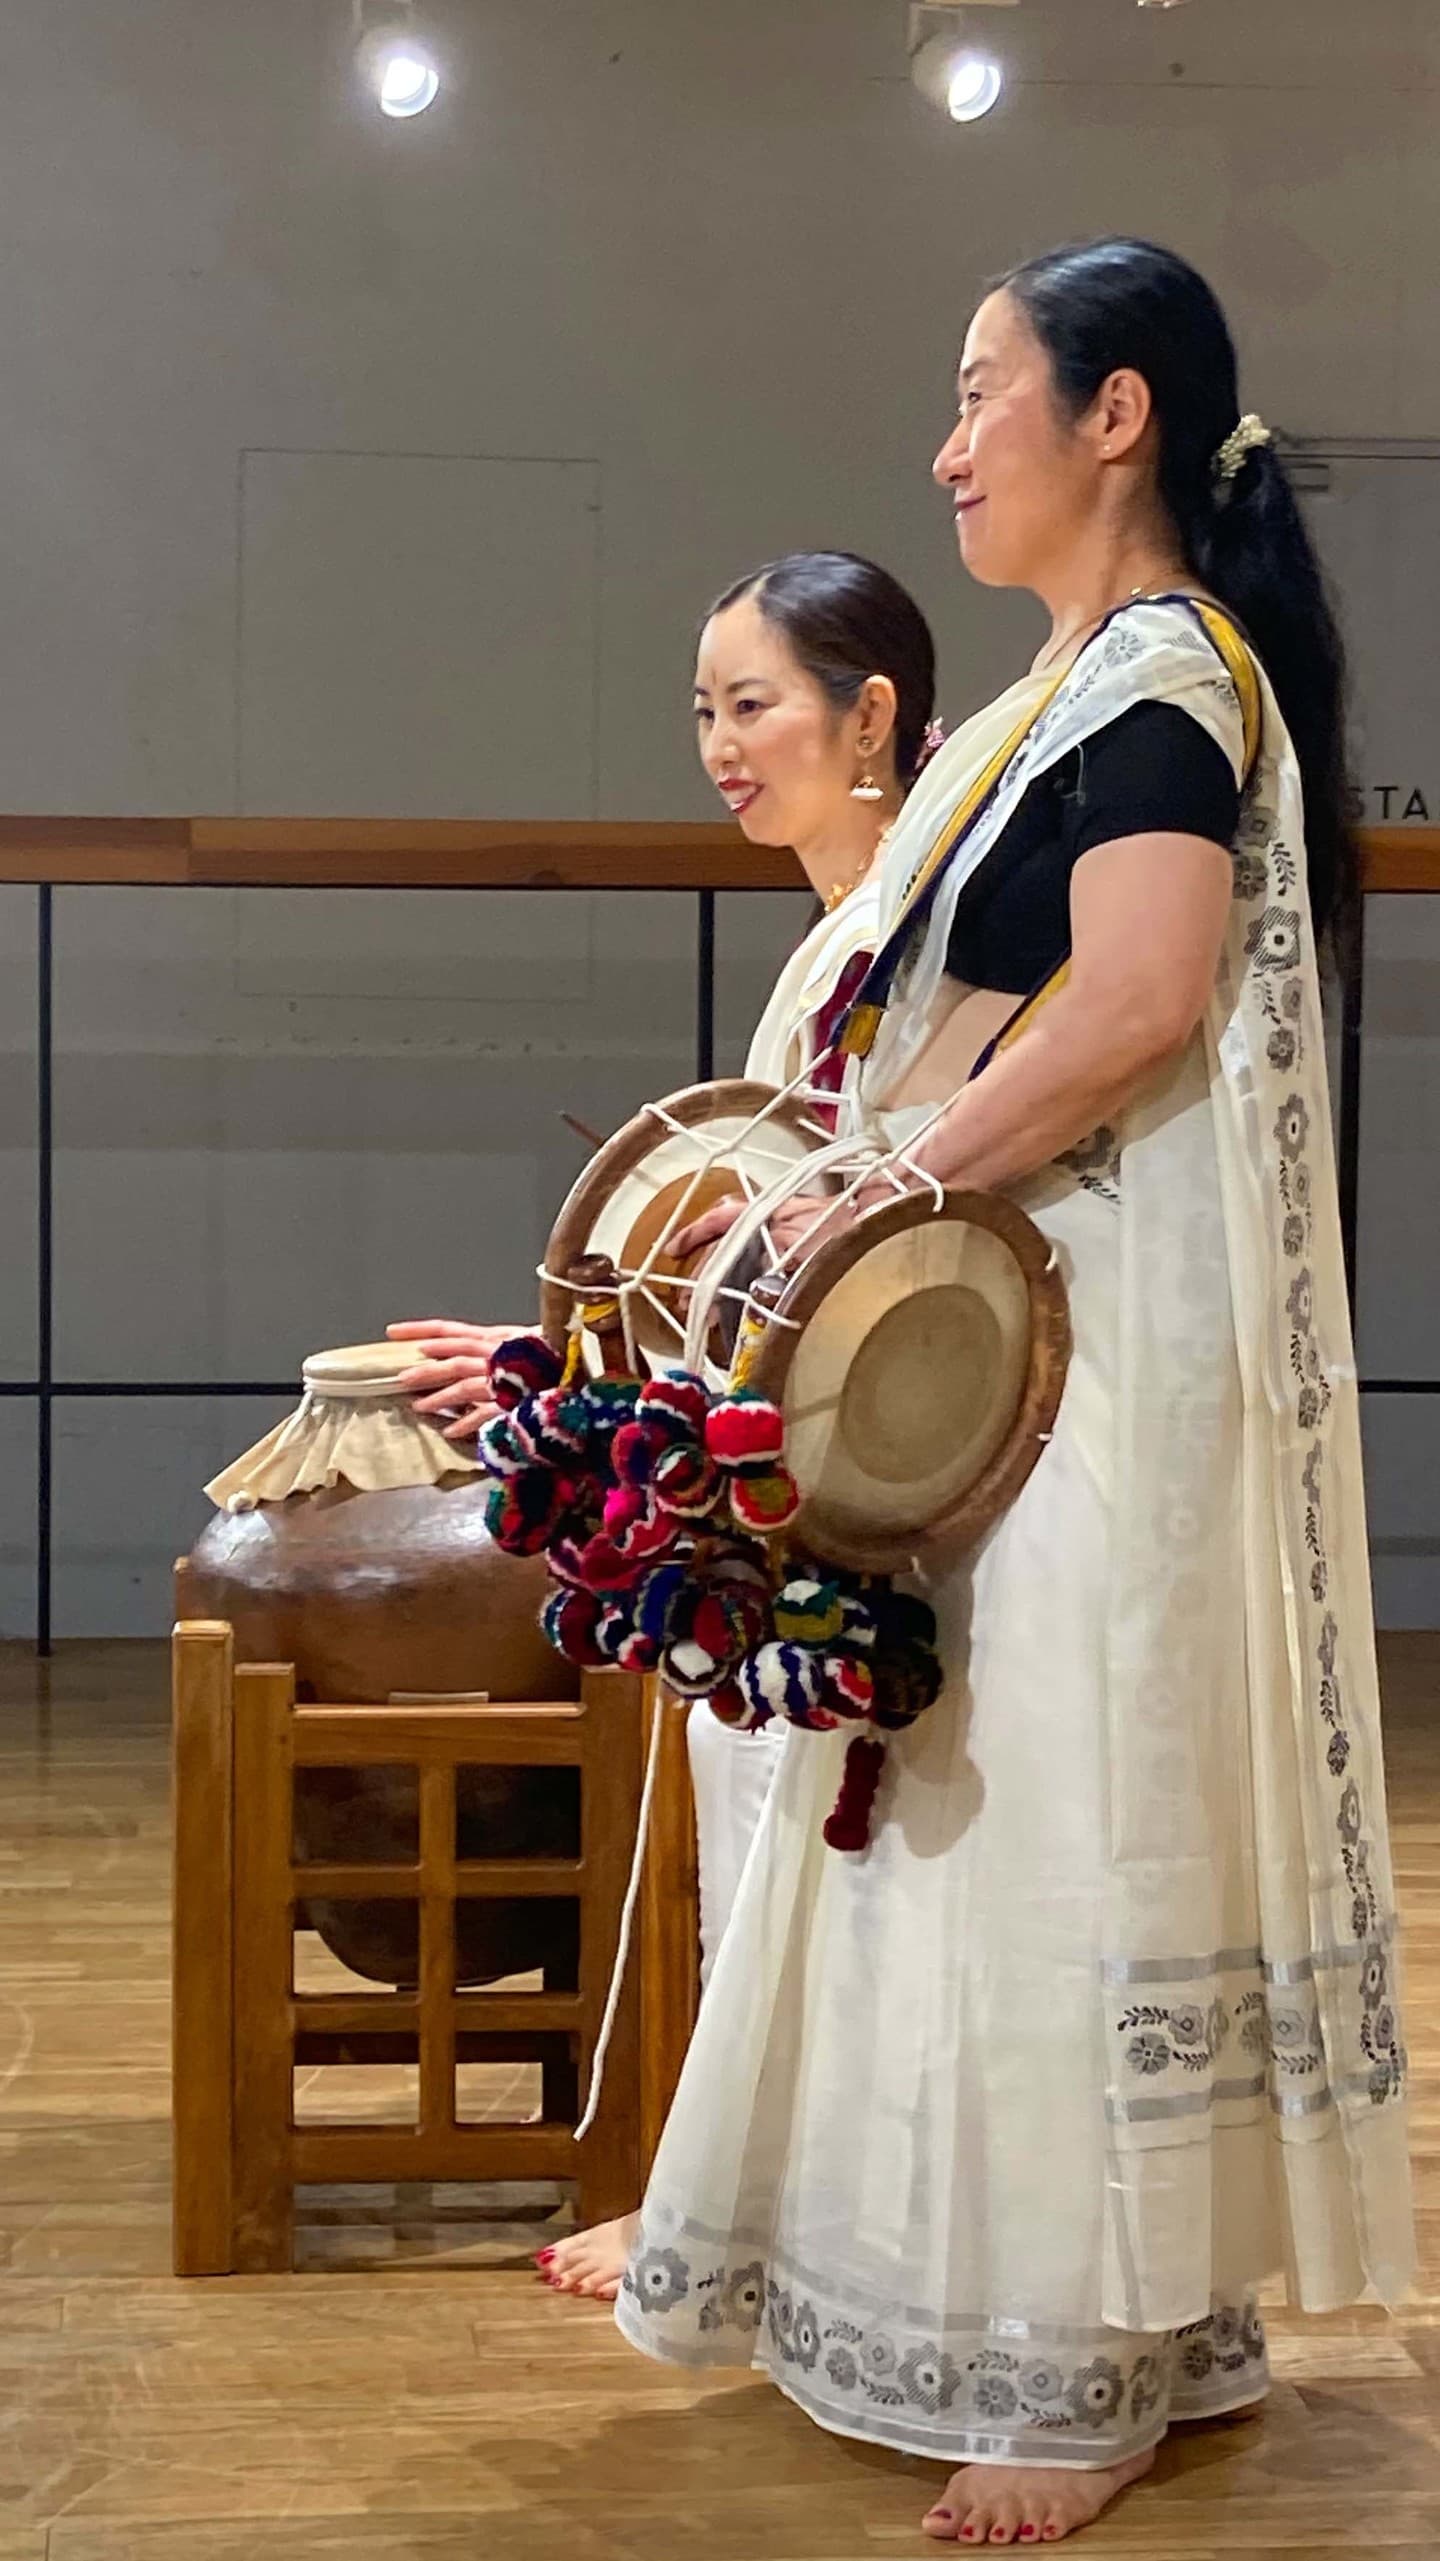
472,853
477,854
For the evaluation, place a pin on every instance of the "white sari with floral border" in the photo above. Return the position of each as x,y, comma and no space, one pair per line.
987,2137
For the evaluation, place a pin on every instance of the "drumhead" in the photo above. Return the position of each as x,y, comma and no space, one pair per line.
918,1376
665,1167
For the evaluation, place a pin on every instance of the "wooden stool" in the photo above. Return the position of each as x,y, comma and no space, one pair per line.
241,2028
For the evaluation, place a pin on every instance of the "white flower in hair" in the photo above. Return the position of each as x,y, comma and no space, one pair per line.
1241,442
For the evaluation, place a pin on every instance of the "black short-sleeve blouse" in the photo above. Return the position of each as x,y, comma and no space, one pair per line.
1154,770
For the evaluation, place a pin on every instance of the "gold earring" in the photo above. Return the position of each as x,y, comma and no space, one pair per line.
867,787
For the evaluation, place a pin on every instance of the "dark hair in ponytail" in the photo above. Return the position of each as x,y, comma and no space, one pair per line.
846,621
1106,304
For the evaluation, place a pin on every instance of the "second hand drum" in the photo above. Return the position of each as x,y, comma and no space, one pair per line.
917,1359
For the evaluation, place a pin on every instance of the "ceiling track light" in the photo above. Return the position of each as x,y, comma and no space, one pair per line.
961,78
394,59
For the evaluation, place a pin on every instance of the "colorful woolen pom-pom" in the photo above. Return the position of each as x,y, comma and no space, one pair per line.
679,1400
687,1482
521,1367
849,1826
637,1448
785,1680
636,1525
764,1500
500,1448
734,1709
846,1685
809,1613
745,1430
523,1511
553,1428
568,1620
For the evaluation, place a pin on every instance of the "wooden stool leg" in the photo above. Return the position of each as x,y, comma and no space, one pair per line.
559,2086
201,2000
264,1969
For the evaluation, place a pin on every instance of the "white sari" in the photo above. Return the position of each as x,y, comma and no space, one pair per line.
987,2136
731,1772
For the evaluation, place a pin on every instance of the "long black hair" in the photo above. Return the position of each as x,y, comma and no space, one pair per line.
1104,304
847,620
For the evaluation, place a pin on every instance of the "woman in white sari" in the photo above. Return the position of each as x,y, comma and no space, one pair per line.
814,689
988,2136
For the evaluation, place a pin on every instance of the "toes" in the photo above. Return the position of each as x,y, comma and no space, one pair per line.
1004,2521
942,2522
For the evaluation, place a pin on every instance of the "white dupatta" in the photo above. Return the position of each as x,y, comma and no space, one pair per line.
1316,2034
784,1042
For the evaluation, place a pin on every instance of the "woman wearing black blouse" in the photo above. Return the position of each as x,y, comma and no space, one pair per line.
990,2135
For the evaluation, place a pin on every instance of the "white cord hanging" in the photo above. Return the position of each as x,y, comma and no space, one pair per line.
626,1930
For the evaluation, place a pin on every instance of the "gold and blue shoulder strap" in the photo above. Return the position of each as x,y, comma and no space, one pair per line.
863,1021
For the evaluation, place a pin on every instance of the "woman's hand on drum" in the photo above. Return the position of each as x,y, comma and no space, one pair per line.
805,1221
712,1223
451,1378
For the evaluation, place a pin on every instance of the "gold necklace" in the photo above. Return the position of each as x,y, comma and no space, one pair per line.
846,888
1048,656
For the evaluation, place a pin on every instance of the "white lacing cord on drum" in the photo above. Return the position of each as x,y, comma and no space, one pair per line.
860,1158
627,1925
630,1285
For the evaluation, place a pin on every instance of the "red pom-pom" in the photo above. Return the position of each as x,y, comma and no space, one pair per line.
711,1627
523,1366
734,1709
687,1482
569,1620
764,1500
849,1826
680,1398
600,1567
847,1683
745,1431
637,1526
637,1448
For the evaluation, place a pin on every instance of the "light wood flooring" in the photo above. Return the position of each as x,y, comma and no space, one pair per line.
412,2391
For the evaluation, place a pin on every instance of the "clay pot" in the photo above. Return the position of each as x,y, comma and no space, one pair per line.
401,1589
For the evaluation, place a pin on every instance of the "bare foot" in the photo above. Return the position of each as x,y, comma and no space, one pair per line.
594,2262
991,2503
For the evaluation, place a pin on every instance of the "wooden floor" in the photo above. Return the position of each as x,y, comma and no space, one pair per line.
413,2392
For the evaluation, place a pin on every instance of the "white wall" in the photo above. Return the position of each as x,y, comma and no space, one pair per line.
344,463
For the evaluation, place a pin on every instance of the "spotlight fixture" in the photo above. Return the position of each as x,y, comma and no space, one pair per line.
961,78
394,60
